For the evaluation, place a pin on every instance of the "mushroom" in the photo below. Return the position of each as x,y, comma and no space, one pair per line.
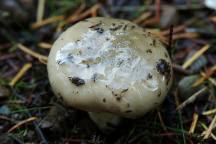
111,68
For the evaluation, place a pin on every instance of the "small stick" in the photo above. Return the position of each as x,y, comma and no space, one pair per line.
40,10
32,53
142,18
209,112
185,35
191,98
45,45
210,128
46,21
21,73
175,30
84,14
195,56
205,127
77,12
209,73
21,123
156,18
209,78
194,123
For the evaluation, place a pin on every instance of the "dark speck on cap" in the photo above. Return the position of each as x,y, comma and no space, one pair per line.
77,81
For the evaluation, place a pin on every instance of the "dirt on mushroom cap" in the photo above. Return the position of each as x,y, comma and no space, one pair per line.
109,55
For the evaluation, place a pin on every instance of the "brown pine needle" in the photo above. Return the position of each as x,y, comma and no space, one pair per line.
47,21
194,123
175,30
84,14
208,74
142,18
210,128
209,78
205,128
40,10
191,98
209,112
195,56
45,45
185,35
32,53
156,18
76,13
21,123
20,74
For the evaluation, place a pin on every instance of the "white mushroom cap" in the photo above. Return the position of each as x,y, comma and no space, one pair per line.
110,65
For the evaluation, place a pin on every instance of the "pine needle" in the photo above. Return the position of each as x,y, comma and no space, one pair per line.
205,128
40,10
21,123
194,123
45,45
208,74
209,112
210,128
191,98
47,21
32,53
142,18
195,56
84,14
185,35
210,79
20,74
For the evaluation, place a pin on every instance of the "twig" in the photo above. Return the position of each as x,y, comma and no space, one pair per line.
18,76
40,10
46,21
175,30
192,98
21,123
142,18
83,15
32,53
194,123
210,128
209,73
38,130
156,18
77,12
185,35
209,78
205,128
209,112
45,45
195,56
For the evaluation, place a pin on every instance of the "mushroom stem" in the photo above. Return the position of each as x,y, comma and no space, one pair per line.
106,122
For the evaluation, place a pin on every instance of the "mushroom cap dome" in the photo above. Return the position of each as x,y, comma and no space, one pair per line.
110,65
